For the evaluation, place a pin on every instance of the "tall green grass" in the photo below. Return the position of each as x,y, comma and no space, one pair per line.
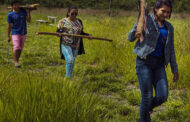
33,97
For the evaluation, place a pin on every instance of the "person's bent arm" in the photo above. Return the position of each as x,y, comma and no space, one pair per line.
28,17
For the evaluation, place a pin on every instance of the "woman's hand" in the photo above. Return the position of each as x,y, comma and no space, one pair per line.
176,77
140,36
58,35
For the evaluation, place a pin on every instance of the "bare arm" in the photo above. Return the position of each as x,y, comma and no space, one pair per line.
173,63
28,17
9,31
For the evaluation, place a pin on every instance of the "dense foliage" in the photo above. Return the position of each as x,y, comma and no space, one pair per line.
179,5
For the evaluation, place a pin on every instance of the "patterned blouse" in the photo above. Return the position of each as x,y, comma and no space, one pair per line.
70,27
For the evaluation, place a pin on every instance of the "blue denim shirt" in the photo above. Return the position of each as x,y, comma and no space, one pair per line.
149,43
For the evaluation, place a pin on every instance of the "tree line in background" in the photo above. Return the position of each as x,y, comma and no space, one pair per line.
178,5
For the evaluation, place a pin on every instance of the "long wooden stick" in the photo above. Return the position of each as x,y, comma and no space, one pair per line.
73,35
8,52
141,25
32,6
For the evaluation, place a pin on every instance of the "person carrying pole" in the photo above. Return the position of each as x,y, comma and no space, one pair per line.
155,50
70,47
16,19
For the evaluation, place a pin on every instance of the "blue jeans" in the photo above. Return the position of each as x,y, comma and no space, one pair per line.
151,74
70,55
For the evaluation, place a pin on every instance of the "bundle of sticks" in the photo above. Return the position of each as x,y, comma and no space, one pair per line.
31,7
141,24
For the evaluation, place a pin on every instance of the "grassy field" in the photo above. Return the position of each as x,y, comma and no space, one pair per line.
104,86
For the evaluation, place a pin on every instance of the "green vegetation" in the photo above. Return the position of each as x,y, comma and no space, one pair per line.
179,5
104,86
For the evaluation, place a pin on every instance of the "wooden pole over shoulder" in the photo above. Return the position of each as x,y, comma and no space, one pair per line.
73,35
141,25
32,6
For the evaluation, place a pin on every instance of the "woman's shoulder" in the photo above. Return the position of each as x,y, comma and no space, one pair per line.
79,20
62,20
169,25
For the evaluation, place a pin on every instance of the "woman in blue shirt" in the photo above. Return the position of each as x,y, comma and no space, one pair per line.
153,54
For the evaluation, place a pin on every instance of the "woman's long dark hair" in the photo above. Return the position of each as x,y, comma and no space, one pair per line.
159,3
69,9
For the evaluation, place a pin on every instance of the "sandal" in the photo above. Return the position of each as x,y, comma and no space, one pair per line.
17,66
